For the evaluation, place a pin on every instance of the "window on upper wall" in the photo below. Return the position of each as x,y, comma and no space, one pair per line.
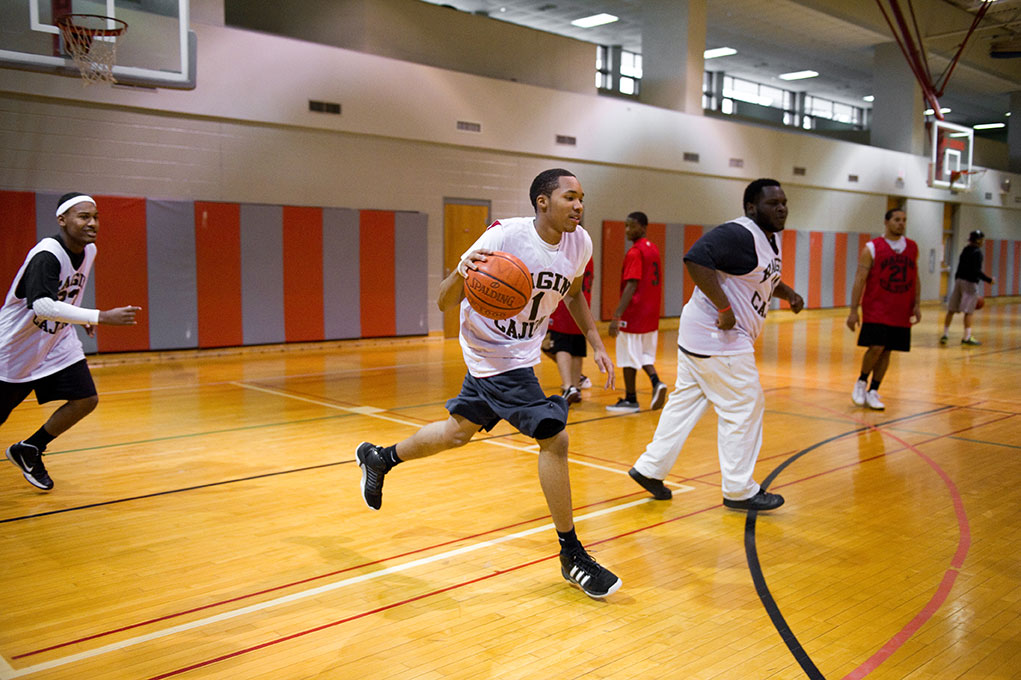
630,72
820,108
618,71
604,74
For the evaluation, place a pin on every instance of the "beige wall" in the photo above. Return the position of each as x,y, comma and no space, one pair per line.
245,134
428,34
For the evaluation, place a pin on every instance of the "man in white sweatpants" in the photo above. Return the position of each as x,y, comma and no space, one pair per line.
736,270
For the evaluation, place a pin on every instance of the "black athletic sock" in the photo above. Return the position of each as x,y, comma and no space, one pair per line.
655,379
40,439
631,396
569,541
864,377
874,385
390,456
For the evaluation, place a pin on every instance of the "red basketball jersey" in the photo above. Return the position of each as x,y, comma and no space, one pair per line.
890,288
642,263
561,320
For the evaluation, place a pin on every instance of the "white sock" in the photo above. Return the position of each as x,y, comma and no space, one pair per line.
967,333
946,330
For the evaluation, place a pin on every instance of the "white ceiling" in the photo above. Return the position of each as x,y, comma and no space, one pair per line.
834,37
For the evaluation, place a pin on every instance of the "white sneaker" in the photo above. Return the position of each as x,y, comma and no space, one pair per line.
585,383
858,395
658,396
872,399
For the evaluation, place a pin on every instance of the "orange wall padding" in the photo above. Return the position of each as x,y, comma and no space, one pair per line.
18,210
218,273
376,276
303,273
121,271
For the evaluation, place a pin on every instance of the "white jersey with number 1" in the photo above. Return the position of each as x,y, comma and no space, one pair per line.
492,347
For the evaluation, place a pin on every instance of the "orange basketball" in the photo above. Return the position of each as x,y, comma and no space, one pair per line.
980,303
500,287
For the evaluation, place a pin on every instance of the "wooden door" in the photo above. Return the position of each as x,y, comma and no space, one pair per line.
463,222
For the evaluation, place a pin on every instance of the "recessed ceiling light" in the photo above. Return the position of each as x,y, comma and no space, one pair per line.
929,112
798,75
989,126
868,98
718,52
1007,114
594,20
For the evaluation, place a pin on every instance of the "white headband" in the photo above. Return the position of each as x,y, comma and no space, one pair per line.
71,202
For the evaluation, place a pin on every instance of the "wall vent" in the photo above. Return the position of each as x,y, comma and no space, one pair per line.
989,196
737,162
691,157
852,178
466,126
324,107
799,171
567,139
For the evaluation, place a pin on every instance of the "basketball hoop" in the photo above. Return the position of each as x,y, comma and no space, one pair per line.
91,42
961,180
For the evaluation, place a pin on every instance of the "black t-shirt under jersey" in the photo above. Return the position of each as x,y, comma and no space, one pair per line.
729,248
42,275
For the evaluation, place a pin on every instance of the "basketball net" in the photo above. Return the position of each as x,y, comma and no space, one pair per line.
92,45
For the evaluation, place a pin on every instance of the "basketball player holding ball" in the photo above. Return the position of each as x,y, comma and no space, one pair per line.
501,383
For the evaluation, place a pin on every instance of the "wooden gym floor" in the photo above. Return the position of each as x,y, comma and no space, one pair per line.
207,523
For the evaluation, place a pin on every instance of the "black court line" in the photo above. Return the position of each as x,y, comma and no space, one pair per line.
751,552
170,491
237,480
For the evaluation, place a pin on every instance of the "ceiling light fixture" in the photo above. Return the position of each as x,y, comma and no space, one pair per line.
798,75
868,98
989,126
929,112
594,20
718,52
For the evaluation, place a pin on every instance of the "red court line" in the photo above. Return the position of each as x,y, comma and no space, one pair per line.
310,579
946,583
674,478
482,578
338,622
409,600
431,547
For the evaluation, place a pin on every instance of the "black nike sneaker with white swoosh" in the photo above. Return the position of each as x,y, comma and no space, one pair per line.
30,461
